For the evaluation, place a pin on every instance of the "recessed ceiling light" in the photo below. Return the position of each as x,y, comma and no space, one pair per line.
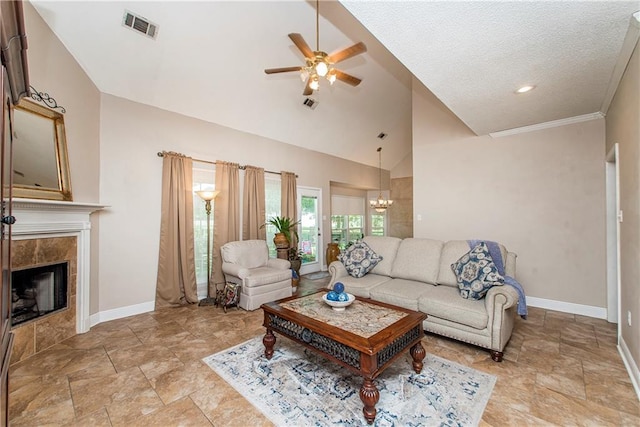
525,89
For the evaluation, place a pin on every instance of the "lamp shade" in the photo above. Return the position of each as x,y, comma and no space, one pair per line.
207,195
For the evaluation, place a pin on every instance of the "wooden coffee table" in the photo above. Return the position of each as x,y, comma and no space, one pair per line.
365,338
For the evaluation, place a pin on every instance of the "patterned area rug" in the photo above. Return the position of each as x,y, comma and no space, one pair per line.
297,387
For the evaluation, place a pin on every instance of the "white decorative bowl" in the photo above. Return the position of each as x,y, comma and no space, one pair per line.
339,305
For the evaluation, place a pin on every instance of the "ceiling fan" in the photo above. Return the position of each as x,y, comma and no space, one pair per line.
319,63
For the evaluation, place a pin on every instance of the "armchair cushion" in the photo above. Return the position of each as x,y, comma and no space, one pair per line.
280,264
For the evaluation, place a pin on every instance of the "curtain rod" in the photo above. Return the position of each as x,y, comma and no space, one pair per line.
243,167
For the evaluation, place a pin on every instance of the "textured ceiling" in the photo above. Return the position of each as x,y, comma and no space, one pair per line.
208,60
474,55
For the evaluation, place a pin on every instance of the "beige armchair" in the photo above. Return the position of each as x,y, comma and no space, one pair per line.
263,279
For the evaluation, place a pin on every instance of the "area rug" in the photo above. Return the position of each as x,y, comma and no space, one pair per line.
317,275
298,387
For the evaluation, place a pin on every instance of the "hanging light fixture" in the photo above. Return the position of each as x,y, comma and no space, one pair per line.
380,205
320,65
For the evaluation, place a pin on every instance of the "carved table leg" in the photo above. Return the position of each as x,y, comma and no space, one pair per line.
369,395
418,354
269,340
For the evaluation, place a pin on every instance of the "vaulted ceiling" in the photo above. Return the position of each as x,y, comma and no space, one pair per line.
208,58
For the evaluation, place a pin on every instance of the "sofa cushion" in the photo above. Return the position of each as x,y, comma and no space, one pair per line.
362,287
418,259
444,302
401,292
452,251
387,248
476,273
359,259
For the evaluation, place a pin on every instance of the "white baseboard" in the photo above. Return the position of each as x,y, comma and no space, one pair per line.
568,307
630,364
119,313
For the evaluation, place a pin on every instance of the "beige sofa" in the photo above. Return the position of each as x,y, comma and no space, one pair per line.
416,274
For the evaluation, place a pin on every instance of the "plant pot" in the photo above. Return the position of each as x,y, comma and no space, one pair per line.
332,252
280,241
295,265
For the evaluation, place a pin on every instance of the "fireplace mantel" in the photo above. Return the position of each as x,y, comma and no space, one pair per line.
41,219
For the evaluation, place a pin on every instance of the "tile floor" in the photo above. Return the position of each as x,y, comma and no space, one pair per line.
145,370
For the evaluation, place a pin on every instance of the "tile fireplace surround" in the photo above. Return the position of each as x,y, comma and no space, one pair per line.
46,232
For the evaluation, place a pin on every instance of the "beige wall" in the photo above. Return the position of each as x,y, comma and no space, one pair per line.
404,168
131,135
540,193
53,70
623,128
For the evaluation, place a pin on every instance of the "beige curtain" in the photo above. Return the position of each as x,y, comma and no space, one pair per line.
176,282
226,214
253,205
289,199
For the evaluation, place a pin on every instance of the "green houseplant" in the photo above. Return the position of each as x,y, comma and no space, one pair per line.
286,226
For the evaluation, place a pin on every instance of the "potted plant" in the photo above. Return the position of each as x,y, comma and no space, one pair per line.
295,258
285,226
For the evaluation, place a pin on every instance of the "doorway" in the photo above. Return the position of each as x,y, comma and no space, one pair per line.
309,230
613,214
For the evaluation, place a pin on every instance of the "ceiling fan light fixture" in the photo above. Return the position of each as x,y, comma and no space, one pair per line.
304,74
331,76
314,84
322,68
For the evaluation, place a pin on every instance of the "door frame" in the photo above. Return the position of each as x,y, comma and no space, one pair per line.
313,192
612,177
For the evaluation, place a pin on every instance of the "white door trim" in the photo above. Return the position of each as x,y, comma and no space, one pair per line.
612,175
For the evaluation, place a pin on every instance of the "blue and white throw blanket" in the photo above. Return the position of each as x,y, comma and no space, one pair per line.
496,255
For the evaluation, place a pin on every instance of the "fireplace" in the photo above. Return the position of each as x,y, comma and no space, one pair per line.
38,291
49,232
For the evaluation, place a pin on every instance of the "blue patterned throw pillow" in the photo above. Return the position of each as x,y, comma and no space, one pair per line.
476,273
359,259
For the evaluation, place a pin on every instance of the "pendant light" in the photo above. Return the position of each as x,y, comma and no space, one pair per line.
381,204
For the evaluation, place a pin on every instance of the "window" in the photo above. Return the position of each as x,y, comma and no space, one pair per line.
347,219
272,194
346,229
377,224
204,177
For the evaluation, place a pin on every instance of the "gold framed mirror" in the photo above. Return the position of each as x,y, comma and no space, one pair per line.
40,162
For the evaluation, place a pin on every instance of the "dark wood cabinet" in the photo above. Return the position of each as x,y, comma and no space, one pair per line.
14,84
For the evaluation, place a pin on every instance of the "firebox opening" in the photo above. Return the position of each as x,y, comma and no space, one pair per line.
38,291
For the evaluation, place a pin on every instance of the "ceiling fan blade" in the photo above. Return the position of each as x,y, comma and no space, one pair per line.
298,40
282,70
307,89
347,78
347,53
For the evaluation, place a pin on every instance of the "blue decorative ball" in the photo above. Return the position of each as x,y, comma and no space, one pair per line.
332,296
338,287
343,296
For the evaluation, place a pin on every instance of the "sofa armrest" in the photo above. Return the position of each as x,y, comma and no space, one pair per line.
337,270
508,297
235,270
501,302
280,264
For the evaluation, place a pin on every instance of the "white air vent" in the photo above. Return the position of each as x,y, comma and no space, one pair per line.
139,24
310,102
